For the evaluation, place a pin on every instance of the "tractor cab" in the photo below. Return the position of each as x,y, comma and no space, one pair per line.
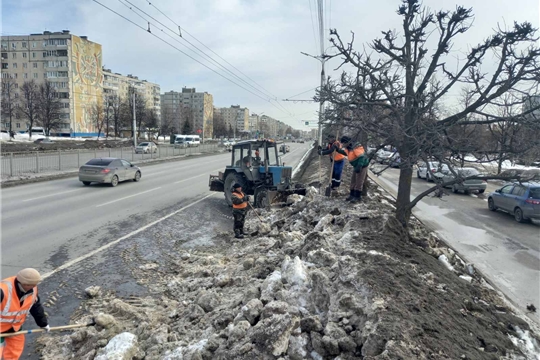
255,164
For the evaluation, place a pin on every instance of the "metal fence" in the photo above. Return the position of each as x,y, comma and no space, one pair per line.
14,164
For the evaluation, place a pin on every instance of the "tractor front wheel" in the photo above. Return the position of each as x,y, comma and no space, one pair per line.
261,198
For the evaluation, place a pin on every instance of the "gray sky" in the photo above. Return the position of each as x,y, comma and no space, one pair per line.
262,38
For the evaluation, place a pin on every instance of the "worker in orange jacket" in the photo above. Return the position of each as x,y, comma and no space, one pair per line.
240,204
18,297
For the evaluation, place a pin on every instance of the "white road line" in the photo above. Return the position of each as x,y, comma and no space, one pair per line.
127,197
135,232
46,196
194,177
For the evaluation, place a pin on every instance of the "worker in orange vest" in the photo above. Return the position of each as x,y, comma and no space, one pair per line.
240,204
339,160
359,161
18,297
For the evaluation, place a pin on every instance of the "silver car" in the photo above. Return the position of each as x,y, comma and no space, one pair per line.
146,148
109,171
467,185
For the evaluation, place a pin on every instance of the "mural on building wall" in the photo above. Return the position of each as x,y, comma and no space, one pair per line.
86,63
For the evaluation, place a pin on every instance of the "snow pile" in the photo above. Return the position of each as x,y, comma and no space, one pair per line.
326,280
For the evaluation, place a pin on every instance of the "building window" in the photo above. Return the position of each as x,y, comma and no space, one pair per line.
13,45
14,55
14,65
4,55
25,75
25,65
24,55
4,65
35,75
34,44
33,55
24,44
5,75
18,125
13,76
34,65
16,95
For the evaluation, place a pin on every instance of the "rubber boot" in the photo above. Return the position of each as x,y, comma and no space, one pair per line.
357,196
238,234
351,196
243,232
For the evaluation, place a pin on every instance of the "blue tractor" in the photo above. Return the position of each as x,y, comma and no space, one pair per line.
255,165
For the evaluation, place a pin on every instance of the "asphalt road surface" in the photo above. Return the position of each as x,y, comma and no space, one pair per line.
507,252
49,224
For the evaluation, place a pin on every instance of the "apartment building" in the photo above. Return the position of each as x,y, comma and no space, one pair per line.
72,63
254,123
118,84
235,117
190,104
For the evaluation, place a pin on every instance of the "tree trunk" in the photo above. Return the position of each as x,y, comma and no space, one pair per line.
403,213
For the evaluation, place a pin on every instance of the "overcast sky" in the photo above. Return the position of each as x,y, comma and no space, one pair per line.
261,38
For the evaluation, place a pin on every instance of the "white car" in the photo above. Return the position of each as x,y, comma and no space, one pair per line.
436,170
146,148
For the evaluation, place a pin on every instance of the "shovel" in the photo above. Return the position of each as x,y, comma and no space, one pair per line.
328,189
57,328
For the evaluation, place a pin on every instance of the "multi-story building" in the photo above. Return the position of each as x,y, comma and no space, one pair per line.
254,123
118,84
71,63
236,118
199,104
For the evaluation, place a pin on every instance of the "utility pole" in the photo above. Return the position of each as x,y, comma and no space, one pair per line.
322,59
134,123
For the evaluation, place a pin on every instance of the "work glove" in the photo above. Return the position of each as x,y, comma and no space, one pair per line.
319,151
246,198
319,148
47,328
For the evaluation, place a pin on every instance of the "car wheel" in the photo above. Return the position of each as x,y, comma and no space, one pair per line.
481,191
466,192
114,181
137,176
454,189
518,215
86,183
491,205
429,178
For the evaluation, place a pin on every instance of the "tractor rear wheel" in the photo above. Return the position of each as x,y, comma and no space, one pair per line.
230,180
261,198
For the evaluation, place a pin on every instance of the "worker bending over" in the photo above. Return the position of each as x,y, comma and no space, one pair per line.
240,204
18,297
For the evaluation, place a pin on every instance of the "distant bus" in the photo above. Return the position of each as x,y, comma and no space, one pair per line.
176,137
193,140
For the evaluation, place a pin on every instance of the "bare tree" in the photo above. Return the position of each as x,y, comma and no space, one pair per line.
140,109
10,100
49,107
114,102
152,122
29,103
188,121
166,122
397,92
220,128
97,115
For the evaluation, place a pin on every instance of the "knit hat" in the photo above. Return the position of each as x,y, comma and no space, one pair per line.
345,139
236,186
29,276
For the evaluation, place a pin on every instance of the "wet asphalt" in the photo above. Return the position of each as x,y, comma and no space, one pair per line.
507,252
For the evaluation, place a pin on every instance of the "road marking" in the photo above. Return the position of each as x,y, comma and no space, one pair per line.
135,232
127,197
46,196
194,177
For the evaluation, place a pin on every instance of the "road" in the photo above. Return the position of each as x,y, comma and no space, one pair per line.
48,224
507,252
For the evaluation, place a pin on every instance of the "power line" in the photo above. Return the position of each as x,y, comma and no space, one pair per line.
201,51
268,93
312,24
315,88
174,47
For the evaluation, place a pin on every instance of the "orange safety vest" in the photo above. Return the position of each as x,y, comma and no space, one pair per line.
12,313
355,153
242,205
337,156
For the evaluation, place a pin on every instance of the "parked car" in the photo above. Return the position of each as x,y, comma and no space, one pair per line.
301,141
394,161
284,148
466,185
520,199
109,171
437,170
146,148
193,140
383,156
